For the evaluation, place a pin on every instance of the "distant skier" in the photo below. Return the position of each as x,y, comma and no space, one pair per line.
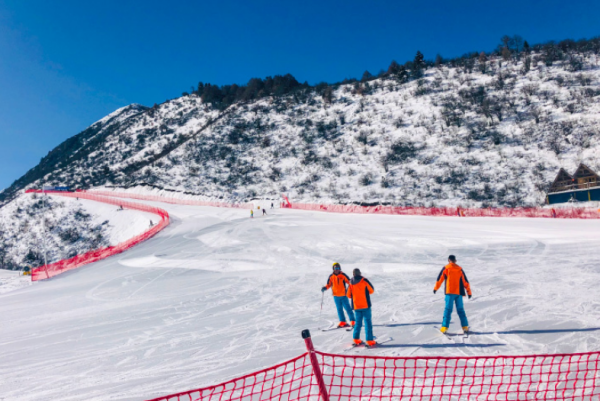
271,205
338,282
264,211
553,213
251,213
151,223
359,292
456,284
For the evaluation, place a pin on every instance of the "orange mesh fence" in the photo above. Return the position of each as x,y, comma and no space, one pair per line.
571,213
172,200
327,377
291,380
545,377
64,265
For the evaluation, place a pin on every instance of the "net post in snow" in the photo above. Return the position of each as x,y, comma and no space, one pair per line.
315,365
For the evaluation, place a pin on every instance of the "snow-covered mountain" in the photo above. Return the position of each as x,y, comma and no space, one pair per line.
481,131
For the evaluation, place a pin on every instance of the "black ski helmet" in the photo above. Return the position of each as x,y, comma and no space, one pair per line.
452,258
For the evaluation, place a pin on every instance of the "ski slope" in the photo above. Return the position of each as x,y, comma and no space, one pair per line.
217,294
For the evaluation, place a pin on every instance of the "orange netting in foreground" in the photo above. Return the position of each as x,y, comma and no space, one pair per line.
320,376
291,380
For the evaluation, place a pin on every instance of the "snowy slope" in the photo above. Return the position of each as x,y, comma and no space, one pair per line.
480,134
11,280
72,227
217,294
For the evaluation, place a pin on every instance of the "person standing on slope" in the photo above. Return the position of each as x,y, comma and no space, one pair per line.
337,281
359,292
457,286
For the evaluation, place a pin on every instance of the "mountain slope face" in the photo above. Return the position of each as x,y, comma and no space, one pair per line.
31,224
492,133
35,229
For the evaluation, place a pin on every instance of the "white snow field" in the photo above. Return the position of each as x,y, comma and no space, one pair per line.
217,294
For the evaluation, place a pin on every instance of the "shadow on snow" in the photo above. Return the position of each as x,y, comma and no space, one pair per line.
547,331
455,345
405,324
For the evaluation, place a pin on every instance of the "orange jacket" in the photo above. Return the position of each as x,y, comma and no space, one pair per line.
338,282
359,291
456,280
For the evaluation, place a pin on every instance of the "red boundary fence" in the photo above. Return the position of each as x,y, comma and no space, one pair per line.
316,375
53,269
571,213
166,199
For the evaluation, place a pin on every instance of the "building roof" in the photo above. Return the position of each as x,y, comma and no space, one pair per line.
564,181
584,171
560,179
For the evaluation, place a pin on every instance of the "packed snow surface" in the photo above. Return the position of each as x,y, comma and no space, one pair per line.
11,280
217,294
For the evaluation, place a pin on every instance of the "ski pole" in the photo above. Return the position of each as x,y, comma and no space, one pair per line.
321,311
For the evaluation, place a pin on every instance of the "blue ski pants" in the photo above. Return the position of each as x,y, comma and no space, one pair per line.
342,303
451,299
363,314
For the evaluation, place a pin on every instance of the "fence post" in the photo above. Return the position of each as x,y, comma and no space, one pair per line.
315,365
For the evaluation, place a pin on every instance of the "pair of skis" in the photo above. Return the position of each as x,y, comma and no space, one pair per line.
348,328
366,346
464,335
362,344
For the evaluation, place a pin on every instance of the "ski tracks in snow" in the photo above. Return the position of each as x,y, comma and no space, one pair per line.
217,294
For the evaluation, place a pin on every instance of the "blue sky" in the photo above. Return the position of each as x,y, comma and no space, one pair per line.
66,64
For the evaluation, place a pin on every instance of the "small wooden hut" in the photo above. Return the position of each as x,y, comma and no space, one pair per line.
562,182
582,186
585,178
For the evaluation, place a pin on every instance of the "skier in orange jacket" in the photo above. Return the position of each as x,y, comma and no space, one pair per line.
457,286
338,281
359,292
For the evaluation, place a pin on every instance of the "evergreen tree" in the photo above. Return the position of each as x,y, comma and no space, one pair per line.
397,71
200,90
366,76
419,61
418,65
482,62
393,68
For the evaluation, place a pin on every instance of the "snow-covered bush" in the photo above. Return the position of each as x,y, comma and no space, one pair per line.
34,228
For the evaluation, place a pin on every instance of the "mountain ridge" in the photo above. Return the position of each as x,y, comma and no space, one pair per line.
385,139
